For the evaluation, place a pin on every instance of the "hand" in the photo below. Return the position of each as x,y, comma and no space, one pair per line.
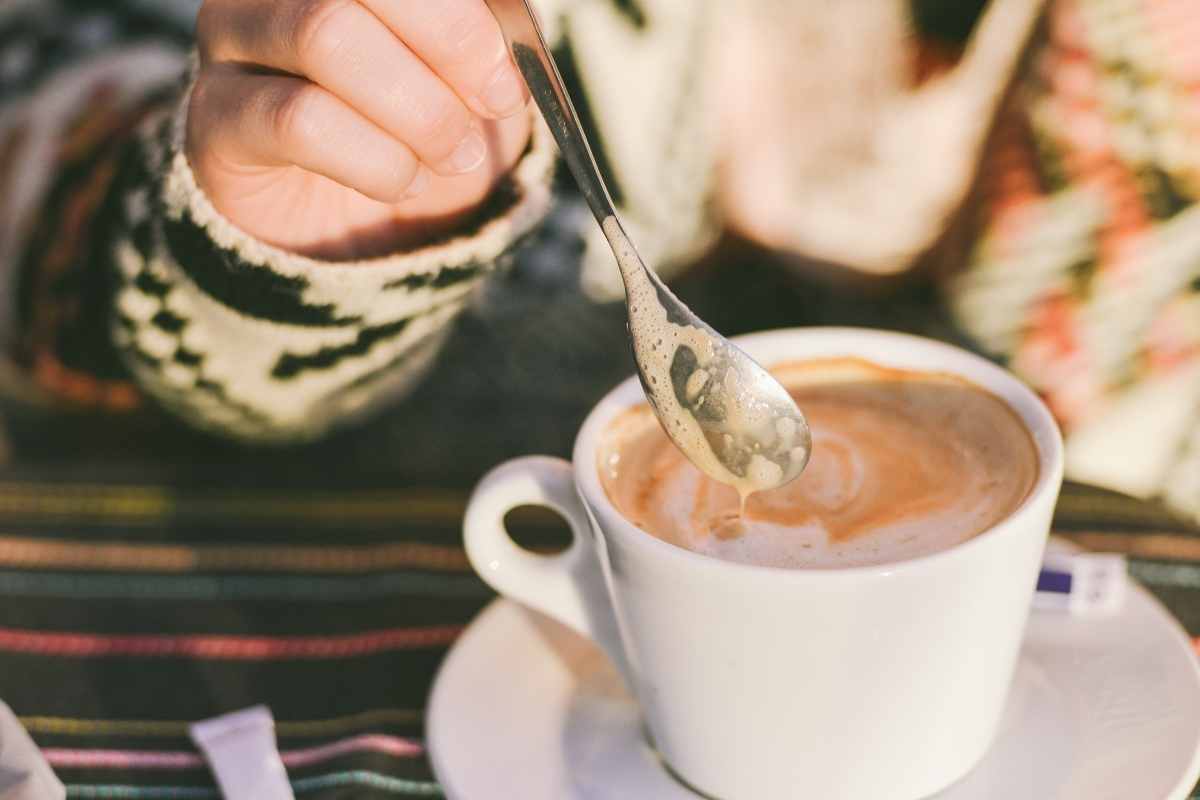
349,128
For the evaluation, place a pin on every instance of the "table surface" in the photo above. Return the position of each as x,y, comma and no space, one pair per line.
152,576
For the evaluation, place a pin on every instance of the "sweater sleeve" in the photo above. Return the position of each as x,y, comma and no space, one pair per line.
248,339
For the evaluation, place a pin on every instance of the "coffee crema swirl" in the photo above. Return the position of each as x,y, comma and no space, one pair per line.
903,464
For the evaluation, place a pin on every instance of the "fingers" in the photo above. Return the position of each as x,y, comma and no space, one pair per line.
342,46
461,41
266,120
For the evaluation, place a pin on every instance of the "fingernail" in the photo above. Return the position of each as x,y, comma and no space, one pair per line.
419,182
504,96
469,154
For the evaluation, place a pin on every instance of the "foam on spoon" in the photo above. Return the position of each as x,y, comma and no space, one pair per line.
661,346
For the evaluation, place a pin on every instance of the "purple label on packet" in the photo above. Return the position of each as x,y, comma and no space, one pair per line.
1050,580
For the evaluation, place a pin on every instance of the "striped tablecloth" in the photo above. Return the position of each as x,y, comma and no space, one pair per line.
150,577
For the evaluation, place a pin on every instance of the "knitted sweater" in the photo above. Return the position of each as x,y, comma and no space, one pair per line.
1084,271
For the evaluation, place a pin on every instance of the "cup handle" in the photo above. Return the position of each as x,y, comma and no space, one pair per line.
568,586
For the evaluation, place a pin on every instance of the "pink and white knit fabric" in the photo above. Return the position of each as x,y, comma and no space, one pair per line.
1087,274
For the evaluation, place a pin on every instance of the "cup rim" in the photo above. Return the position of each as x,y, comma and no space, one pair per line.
833,342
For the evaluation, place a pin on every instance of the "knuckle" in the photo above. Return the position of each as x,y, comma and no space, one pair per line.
199,99
205,25
323,28
399,179
467,36
404,172
212,123
393,176
204,104
199,127
390,193
222,30
440,126
297,118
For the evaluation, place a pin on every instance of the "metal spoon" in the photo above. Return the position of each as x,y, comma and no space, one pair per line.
724,411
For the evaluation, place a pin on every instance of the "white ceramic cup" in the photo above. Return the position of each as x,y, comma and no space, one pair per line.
759,683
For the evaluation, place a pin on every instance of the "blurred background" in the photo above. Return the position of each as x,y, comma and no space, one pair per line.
1019,181
1016,177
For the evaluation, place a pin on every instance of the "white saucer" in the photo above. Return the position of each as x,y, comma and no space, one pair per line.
524,709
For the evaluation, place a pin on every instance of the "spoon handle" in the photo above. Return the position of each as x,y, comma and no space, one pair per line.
533,59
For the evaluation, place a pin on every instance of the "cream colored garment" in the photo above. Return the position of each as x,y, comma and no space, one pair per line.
645,75
805,112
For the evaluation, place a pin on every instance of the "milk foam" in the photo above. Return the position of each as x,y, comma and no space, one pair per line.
903,464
